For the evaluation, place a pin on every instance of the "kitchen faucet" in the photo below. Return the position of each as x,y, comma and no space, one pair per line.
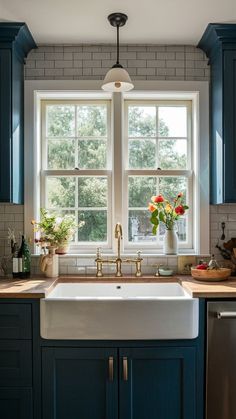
118,261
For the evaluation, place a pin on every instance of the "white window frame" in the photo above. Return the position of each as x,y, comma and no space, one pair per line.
188,173
45,172
197,92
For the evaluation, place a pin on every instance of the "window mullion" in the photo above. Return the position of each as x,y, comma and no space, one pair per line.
117,160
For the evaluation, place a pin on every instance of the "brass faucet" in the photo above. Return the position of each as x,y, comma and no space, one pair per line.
118,261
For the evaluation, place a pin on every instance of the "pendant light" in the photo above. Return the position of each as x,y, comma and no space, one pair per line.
117,78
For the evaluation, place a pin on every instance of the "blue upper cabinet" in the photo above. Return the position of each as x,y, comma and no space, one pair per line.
15,43
219,44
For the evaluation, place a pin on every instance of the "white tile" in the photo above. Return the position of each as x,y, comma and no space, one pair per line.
69,261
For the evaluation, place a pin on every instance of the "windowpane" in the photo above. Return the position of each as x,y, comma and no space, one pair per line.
172,154
182,229
172,121
60,192
92,192
61,154
92,121
60,120
142,121
92,154
170,186
95,226
141,189
140,227
142,154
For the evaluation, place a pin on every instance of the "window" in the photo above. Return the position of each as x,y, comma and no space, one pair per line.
158,150
101,158
76,165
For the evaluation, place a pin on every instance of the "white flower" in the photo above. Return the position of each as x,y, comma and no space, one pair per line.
58,220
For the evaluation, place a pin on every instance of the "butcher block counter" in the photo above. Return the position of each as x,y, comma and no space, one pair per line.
39,287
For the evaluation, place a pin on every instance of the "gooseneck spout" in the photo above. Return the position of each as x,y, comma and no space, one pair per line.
118,236
117,261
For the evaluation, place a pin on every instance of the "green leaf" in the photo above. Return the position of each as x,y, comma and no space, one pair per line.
154,220
155,213
161,217
154,229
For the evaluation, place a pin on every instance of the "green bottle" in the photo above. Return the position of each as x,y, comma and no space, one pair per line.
24,259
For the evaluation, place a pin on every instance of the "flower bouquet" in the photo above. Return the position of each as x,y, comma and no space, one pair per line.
166,212
54,231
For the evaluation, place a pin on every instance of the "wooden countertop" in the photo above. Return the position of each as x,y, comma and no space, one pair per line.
39,287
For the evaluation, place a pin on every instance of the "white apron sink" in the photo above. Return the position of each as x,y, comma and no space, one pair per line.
119,311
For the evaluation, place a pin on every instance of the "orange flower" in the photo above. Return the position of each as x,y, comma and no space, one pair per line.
151,207
180,194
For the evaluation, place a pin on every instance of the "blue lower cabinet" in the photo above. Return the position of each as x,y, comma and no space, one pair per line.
157,383
125,383
16,403
15,363
79,383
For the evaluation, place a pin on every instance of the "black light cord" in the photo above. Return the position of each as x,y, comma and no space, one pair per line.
117,45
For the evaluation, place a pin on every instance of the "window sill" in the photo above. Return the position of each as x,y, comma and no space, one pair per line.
128,254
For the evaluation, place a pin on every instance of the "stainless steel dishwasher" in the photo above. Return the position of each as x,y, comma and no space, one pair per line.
221,360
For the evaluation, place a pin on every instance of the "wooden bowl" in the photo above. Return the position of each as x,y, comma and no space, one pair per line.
211,274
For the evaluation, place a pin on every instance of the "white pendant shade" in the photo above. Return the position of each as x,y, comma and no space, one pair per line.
117,80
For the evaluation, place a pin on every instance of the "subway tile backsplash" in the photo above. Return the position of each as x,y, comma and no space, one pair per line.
12,216
144,62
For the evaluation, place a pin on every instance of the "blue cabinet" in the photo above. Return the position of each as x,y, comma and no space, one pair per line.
16,375
158,383
125,383
219,44
15,43
66,379
16,403
79,383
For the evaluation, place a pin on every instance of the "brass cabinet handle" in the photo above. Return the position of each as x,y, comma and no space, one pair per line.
111,368
125,368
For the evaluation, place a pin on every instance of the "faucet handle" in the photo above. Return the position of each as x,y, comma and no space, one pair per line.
139,254
138,264
99,253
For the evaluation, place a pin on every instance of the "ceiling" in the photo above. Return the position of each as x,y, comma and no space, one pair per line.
150,21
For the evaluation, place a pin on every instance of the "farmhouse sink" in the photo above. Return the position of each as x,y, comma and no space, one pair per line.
119,311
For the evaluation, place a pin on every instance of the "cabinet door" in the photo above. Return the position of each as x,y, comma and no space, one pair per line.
229,128
15,363
157,383
79,383
15,403
5,126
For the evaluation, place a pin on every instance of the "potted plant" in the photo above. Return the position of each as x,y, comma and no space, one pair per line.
55,231
166,212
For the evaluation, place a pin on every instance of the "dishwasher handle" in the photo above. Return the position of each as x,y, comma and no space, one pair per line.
226,315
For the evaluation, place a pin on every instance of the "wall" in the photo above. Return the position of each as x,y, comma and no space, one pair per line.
88,62
144,62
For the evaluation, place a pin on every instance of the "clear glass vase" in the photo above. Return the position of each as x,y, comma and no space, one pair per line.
170,242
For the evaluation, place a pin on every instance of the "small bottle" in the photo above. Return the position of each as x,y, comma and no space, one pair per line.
24,260
15,267
213,264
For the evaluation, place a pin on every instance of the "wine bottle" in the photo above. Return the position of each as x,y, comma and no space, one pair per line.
15,267
24,259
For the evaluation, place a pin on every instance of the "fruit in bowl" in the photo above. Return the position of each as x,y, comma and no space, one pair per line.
210,271
202,266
